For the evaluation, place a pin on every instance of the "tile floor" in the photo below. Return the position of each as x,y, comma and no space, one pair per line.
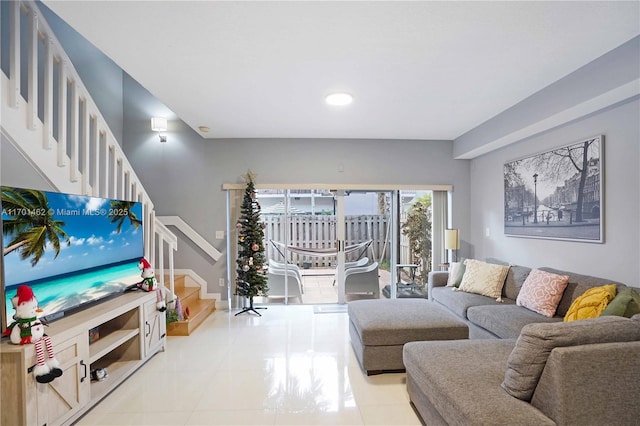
289,367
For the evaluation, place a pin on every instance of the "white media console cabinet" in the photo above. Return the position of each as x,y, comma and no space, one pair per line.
126,331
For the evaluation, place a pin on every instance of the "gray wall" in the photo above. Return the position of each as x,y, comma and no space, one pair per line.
184,176
618,257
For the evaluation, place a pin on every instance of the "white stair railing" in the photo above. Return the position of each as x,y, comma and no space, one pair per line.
165,238
192,234
77,153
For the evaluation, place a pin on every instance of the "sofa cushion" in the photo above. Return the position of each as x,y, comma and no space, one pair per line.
515,278
529,356
458,301
625,304
591,303
591,385
483,278
542,291
577,285
505,321
462,379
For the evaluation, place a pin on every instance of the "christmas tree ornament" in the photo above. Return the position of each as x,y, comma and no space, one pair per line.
251,280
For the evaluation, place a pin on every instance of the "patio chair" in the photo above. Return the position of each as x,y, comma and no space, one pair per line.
276,283
362,279
279,268
361,262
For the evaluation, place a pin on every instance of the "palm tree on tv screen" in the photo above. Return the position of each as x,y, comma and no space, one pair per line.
32,224
122,210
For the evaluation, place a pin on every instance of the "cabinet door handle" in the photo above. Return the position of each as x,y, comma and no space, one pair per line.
148,328
85,370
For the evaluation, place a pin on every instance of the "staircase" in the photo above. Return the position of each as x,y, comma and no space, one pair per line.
199,309
63,135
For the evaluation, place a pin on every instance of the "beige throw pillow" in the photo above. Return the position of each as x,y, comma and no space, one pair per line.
483,278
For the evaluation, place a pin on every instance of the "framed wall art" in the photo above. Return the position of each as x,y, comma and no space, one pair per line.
558,194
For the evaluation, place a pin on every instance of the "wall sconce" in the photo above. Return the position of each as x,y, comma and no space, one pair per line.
159,124
451,241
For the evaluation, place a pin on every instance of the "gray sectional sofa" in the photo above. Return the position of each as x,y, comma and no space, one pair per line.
488,318
522,368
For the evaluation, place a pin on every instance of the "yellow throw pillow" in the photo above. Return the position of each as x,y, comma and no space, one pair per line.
591,303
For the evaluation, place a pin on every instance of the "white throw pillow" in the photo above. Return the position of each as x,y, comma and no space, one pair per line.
453,271
484,278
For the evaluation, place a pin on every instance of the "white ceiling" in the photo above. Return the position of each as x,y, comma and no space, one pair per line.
417,70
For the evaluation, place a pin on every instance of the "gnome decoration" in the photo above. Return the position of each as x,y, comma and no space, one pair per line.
27,329
149,284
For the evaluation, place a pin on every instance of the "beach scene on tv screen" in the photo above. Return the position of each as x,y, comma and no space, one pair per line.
70,249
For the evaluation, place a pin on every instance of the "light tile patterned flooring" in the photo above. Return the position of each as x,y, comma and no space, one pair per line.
288,367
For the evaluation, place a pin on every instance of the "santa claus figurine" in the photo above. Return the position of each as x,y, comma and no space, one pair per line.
27,329
149,283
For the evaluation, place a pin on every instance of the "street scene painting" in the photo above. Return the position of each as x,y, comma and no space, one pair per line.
557,194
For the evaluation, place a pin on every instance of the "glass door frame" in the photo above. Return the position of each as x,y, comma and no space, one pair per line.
394,189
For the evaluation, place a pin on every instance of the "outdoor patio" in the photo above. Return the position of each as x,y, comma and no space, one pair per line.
319,288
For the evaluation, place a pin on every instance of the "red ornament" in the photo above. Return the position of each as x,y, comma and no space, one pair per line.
255,247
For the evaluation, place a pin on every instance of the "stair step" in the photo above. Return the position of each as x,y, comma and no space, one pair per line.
188,295
199,311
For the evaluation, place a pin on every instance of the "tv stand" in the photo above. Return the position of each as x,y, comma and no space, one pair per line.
125,333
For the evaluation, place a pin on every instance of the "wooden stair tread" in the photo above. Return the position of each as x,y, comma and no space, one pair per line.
199,311
186,291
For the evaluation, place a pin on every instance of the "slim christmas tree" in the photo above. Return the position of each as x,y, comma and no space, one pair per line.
252,279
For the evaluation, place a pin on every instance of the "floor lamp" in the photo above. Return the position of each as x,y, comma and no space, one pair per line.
451,241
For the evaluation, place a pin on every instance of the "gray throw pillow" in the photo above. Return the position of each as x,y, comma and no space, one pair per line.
515,278
537,340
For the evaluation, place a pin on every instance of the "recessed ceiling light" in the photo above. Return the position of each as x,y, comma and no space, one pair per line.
339,99
203,129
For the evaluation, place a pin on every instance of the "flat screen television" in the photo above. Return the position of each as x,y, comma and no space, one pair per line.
72,250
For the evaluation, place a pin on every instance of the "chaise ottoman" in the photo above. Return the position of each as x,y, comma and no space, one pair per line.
380,328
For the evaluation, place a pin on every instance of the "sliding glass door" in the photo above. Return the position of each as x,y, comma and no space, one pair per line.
364,232
337,243
334,246
300,236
